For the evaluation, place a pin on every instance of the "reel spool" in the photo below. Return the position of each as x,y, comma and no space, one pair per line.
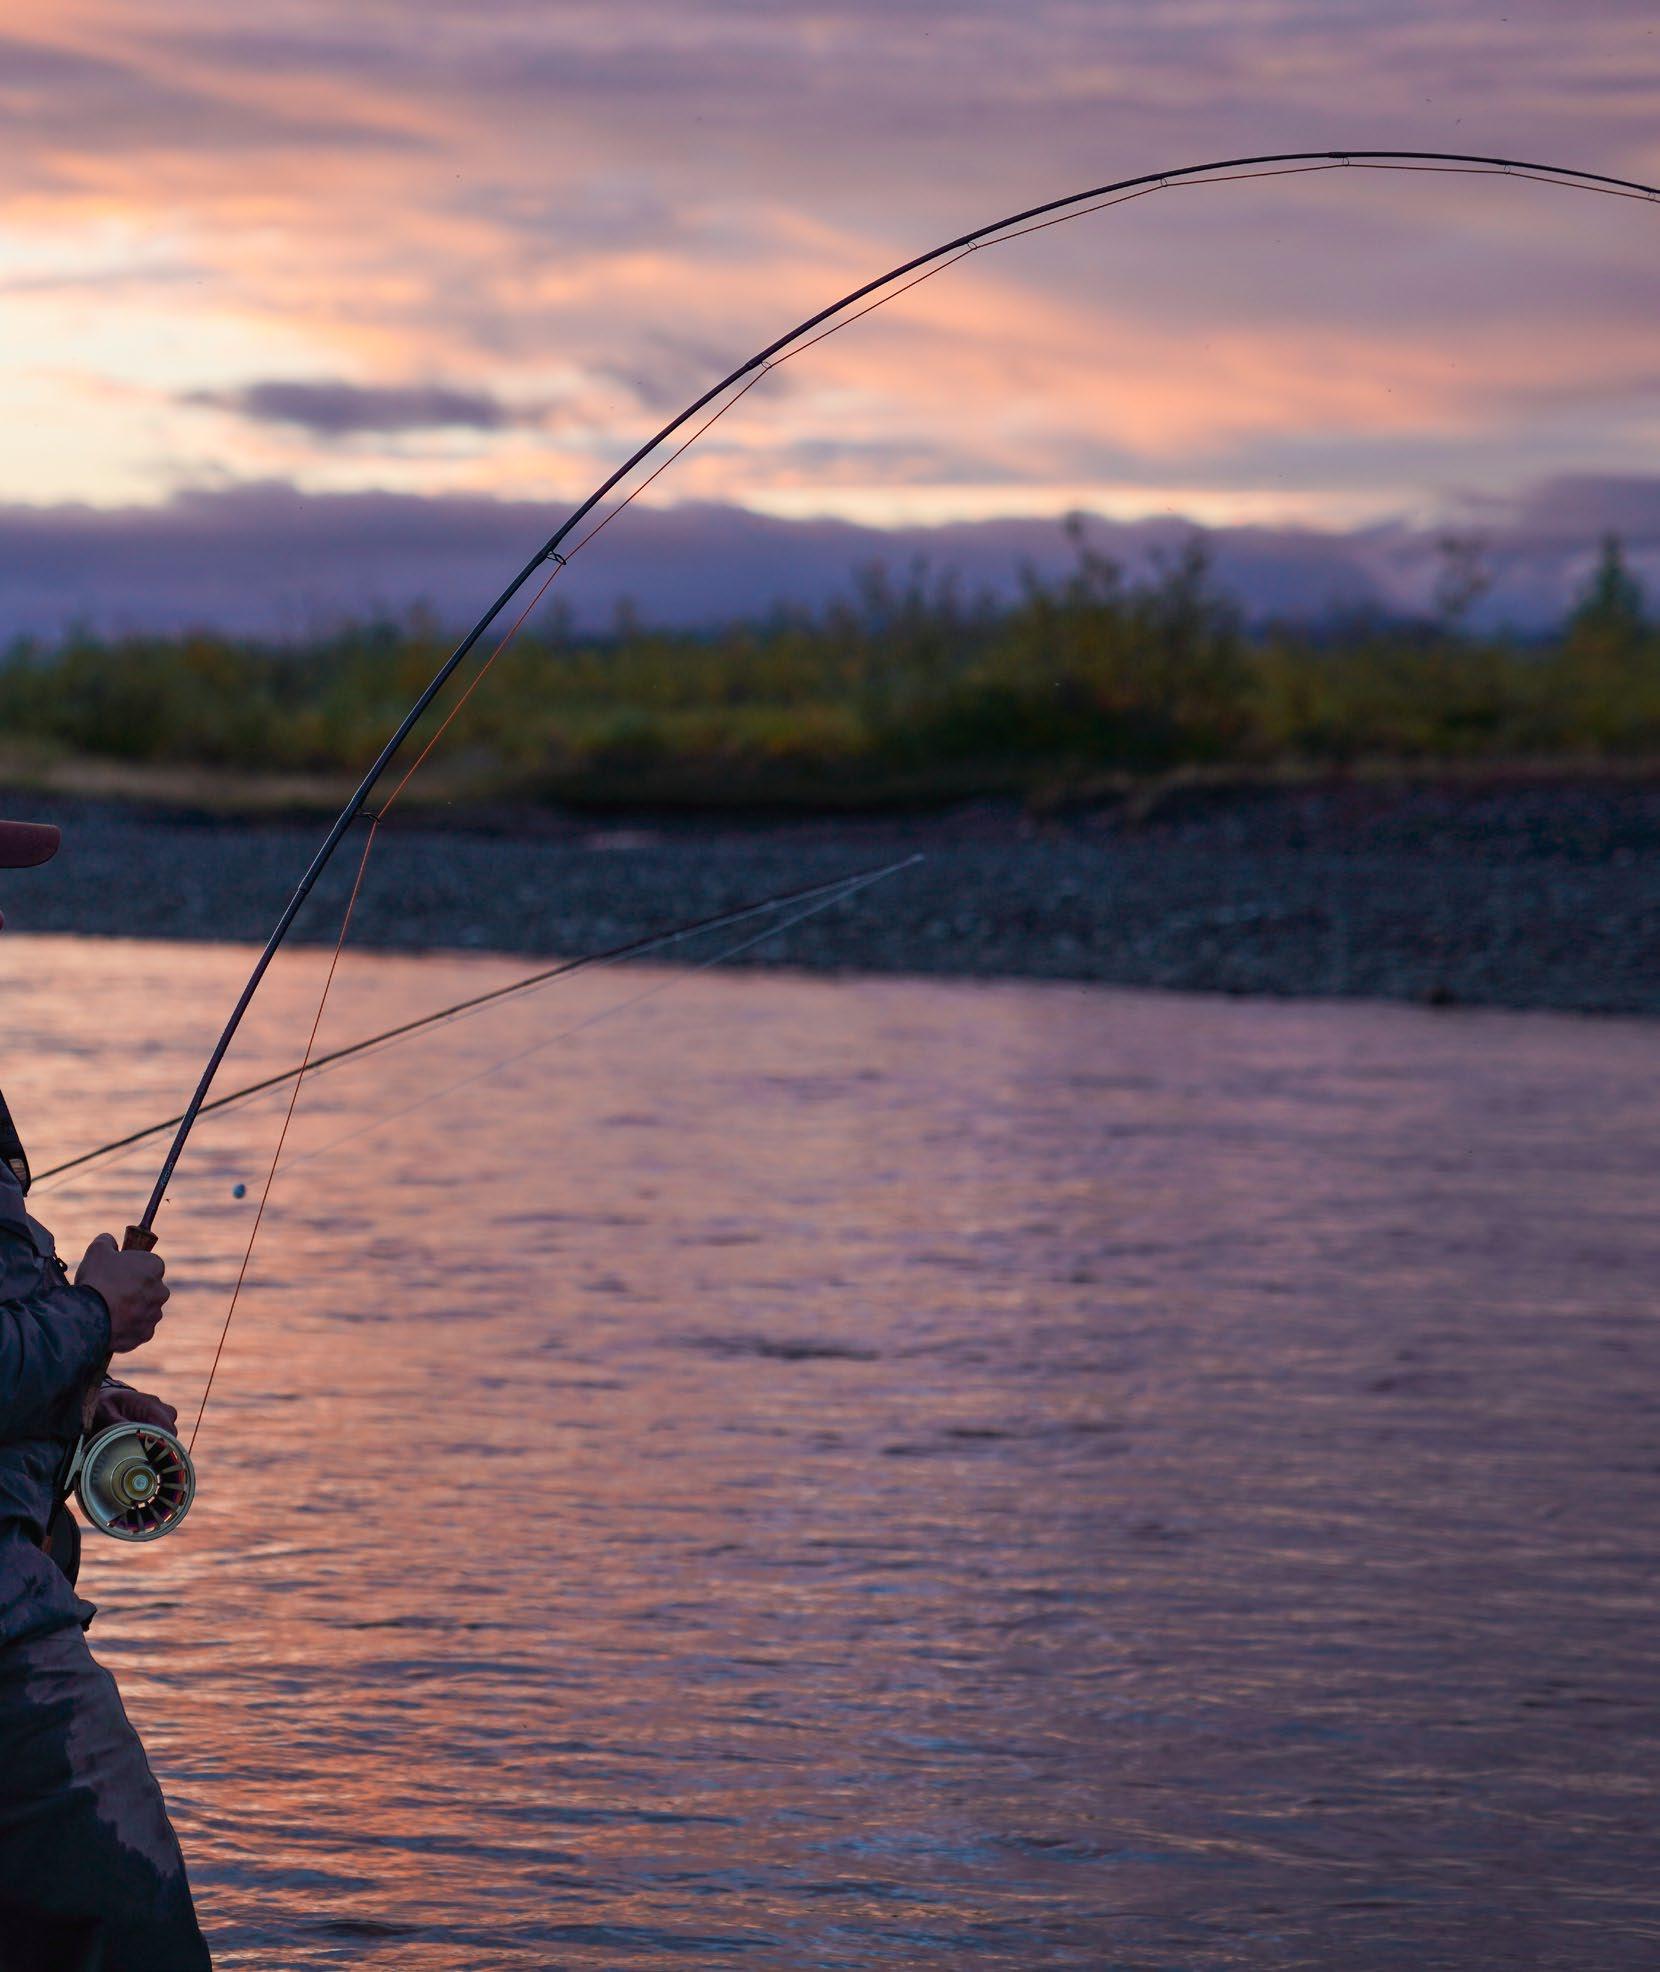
134,1482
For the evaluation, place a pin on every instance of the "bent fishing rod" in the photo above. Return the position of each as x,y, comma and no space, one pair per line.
124,1473
1073,204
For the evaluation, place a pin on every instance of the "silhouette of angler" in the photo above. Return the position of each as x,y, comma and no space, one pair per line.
91,1876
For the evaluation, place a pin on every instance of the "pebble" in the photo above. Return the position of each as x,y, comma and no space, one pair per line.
1509,893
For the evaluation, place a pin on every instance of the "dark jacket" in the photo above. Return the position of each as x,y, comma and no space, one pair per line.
53,1338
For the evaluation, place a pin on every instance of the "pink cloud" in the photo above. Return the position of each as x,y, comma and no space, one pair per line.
600,208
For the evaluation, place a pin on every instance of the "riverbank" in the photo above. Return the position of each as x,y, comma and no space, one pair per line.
1519,891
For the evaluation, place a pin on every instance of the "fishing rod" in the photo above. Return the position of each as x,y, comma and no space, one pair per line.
851,881
1051,210
553,557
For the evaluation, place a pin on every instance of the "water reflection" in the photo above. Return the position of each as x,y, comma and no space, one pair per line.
832,1475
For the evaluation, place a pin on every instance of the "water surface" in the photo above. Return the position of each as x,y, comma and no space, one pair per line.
824,1474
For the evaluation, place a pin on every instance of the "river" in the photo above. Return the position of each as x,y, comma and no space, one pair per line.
815,1473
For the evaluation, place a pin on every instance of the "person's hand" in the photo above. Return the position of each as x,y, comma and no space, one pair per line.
132,1287
119,1405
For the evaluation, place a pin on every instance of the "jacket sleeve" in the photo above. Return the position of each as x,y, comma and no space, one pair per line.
52,1337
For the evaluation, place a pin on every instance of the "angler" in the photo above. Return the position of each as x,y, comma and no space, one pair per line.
90,1870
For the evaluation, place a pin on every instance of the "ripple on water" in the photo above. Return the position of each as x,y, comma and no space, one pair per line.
830,1474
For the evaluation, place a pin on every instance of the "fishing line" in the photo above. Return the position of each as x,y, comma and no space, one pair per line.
288,1118
850,888
676,978
459,1010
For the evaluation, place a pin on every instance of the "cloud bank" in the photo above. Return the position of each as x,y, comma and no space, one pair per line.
272,561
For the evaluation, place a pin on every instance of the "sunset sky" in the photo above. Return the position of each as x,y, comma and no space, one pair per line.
300,258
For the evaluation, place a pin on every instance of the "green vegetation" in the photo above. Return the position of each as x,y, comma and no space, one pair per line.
903,690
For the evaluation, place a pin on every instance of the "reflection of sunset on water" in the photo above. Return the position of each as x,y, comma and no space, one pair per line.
826,1473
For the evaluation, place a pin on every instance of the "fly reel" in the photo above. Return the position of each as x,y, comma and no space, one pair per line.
134,1482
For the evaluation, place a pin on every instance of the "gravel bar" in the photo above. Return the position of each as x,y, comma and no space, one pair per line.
1540,893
